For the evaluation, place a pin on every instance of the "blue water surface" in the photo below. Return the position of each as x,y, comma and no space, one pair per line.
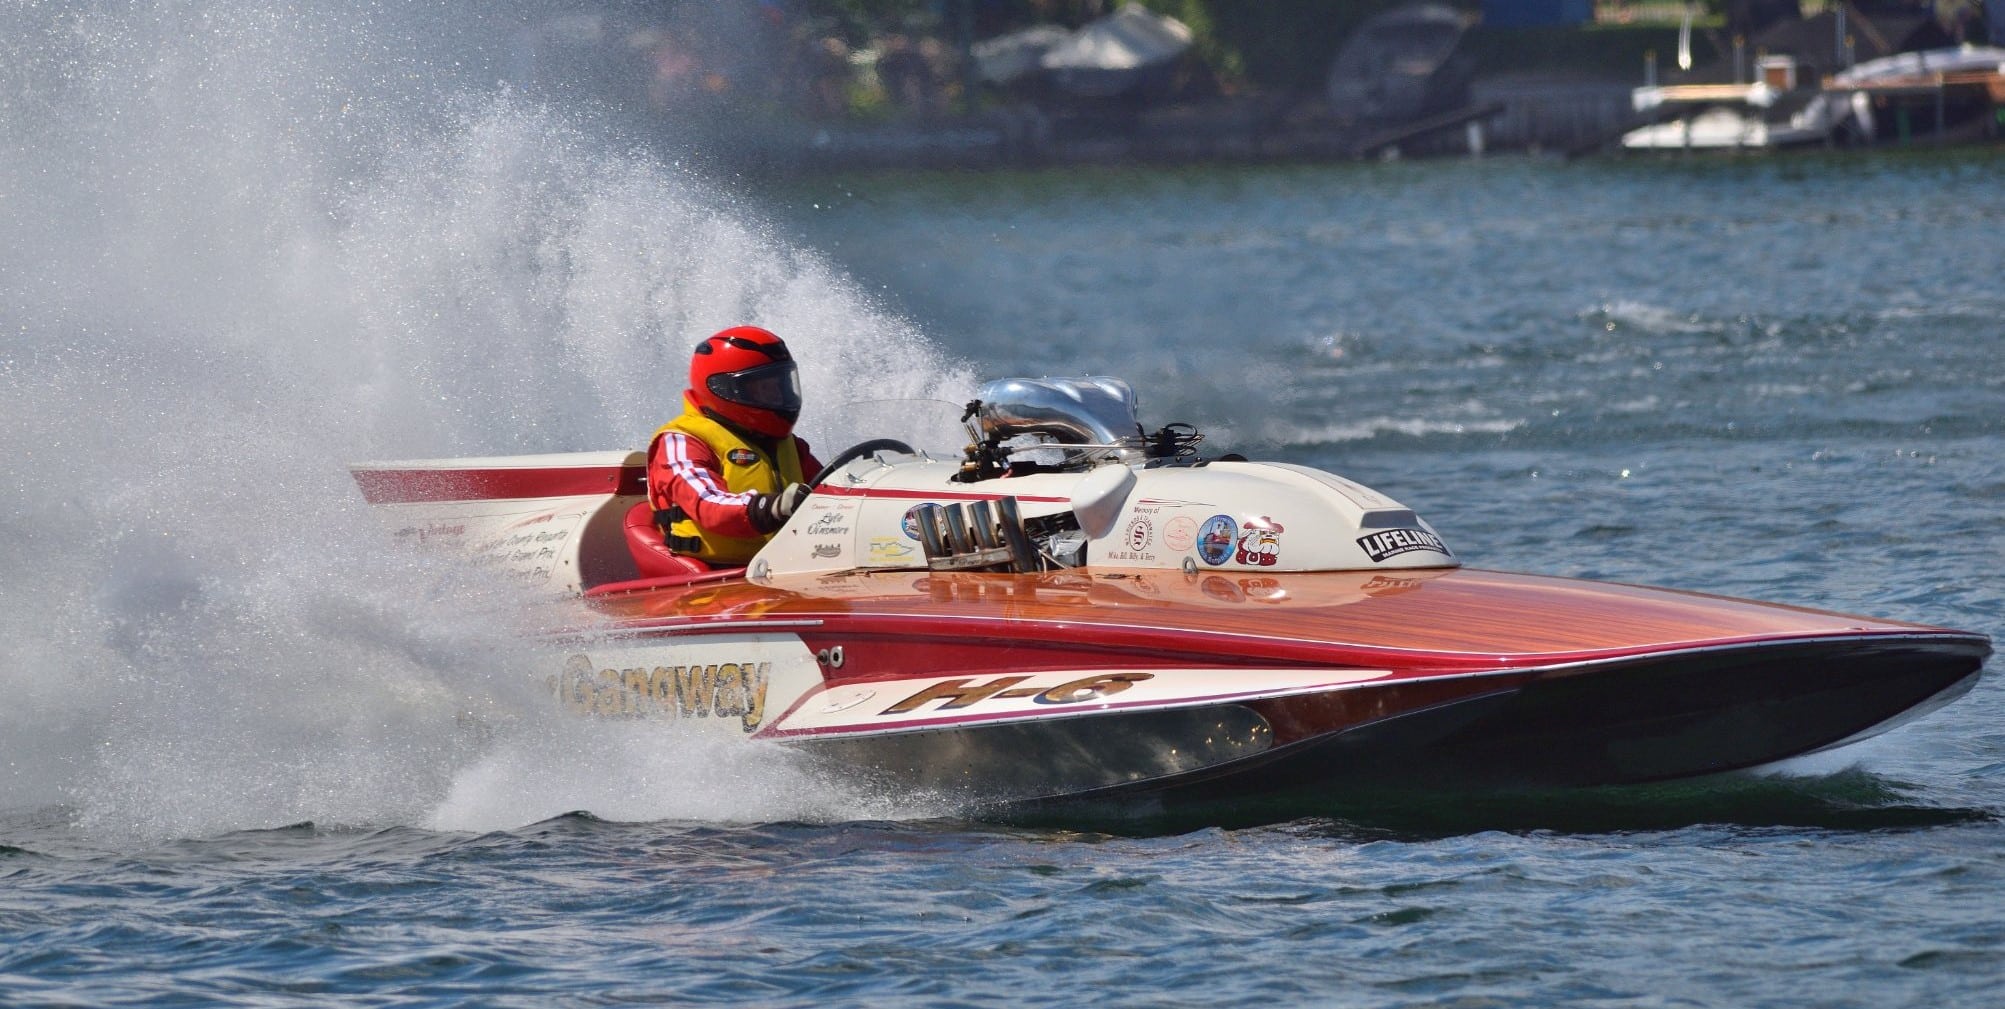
1774,378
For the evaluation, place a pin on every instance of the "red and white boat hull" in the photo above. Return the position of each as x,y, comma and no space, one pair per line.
1235,630
1034,688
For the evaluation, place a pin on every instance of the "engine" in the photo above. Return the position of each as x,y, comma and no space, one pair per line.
1024,425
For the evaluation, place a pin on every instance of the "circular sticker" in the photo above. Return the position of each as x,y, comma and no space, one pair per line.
1179,533
1140,532
910,523
1217,539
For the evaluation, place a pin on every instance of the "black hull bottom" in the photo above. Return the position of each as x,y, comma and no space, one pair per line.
1634,721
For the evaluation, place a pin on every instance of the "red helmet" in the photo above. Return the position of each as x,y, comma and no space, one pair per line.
744,375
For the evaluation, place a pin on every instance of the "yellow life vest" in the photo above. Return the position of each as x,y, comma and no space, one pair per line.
746,468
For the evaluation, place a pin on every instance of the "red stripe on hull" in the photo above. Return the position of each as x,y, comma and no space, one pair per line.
1417,623
410,486
929,495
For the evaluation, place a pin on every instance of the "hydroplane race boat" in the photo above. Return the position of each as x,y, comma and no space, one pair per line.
1074,610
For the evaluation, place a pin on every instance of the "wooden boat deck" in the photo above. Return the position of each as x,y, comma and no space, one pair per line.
1454,615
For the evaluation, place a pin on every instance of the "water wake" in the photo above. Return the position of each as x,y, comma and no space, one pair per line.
251,244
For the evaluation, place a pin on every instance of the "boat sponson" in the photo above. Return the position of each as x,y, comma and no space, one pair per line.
1488,678
1629,721
1417,623
1625,722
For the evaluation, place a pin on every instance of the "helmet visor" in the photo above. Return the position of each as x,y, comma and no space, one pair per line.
775,387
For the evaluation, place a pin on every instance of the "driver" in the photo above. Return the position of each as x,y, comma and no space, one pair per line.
725,475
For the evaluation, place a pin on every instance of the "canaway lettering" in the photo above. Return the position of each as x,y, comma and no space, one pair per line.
721,690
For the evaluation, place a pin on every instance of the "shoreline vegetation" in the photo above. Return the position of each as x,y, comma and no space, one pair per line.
863,84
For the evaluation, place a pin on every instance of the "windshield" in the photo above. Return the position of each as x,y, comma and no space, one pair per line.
932,426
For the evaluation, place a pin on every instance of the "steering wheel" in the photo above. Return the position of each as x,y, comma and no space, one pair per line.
858,451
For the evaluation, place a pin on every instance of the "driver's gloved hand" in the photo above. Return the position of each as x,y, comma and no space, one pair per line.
771,511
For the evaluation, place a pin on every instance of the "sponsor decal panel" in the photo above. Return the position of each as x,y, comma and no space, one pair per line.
721,690
889,550
1393,542
448,531
966,693
735,684
1134,542
527,548
894,705
1260,545
1179,534
1217,539
829,523
1140,532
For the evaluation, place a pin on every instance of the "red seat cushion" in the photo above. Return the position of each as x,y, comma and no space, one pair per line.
651,555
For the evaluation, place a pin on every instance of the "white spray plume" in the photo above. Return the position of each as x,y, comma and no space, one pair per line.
249,243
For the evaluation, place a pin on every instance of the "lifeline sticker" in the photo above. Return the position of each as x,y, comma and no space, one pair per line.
1393,542
1217,538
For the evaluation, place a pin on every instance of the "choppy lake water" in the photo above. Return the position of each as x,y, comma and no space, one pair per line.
229,773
